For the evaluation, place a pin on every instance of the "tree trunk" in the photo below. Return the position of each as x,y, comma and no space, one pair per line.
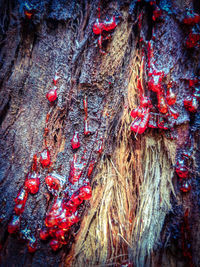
138,212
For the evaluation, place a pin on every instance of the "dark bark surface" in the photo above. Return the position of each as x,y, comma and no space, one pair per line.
59,38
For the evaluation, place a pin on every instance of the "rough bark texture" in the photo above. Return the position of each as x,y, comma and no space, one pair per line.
137,210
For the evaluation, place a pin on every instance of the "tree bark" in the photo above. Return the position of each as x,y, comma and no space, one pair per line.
137,213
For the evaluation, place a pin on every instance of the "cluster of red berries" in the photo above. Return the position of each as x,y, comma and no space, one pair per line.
102,28
64,212
182,171
146,115
31,185
192,19
191,102
141,115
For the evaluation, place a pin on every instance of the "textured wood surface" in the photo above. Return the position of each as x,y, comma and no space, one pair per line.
137,209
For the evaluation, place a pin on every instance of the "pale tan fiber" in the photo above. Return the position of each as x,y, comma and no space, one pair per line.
131,194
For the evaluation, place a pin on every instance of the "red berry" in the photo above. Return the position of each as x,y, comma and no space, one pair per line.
45,158
32,245
181,169
191,18
55,244
55,79
75,141
14,224
60,236
97,27
76,200
32,183
20,201
44,234
193,39
109,25
185,186
85,192
191,104
52,182
52,95
76,170
86,127
162,105
171,97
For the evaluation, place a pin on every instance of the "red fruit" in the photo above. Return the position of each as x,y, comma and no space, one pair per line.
60,236
52,217
45,158
157,13
137,112
193,39
181,169
52,95
162,105
32,183
52,231
140,125
20,201
52,182
86,127
14,224
32,245
90,168
44,233
185,186
145,101
191,18
75,141
75,200
76,170
109,25
155,82
97,27
55,79
55,244
191,104
171,97
85,192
